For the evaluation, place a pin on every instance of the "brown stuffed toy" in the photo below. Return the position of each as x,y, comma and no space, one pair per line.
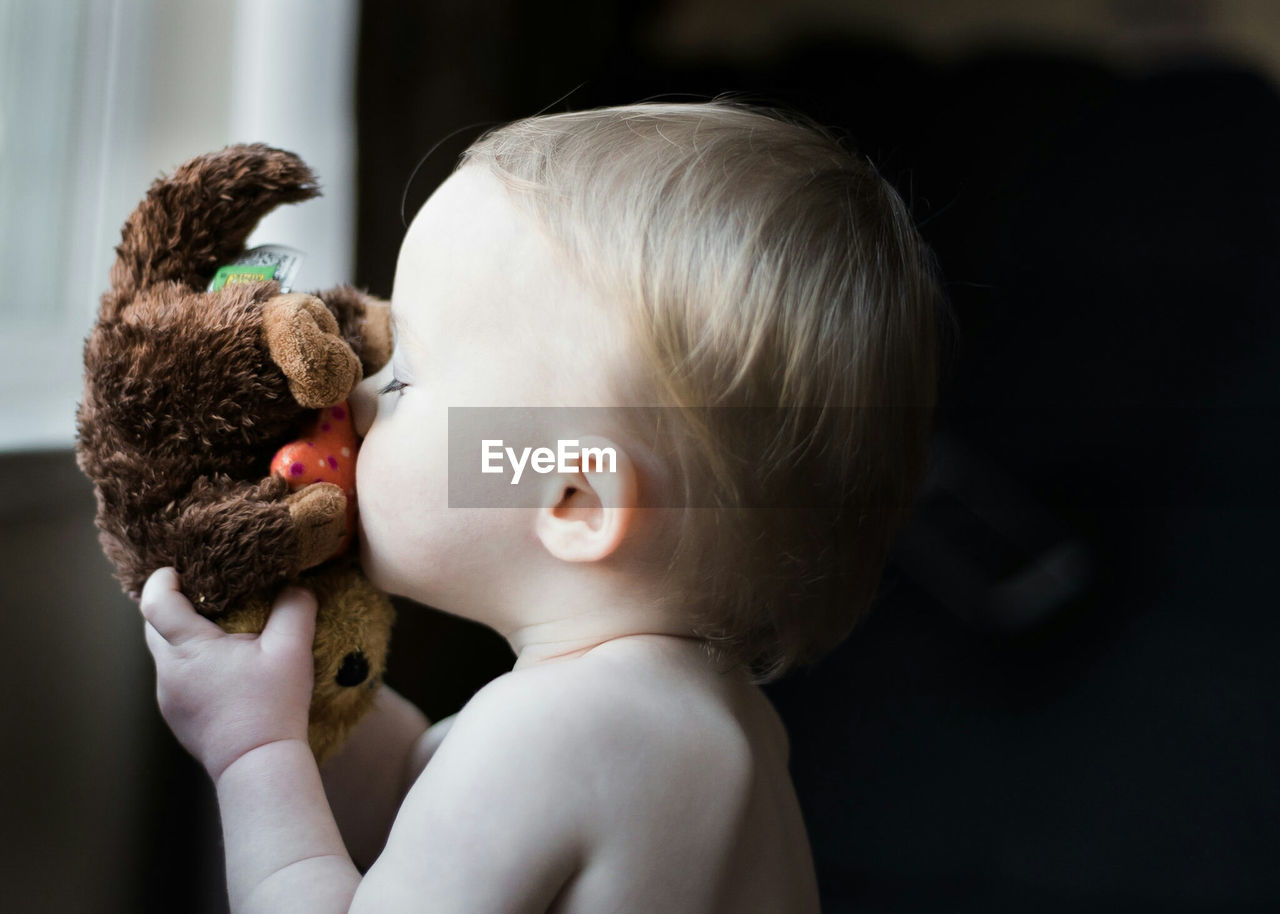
190,394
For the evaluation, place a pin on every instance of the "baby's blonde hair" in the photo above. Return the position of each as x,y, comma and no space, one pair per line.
757,263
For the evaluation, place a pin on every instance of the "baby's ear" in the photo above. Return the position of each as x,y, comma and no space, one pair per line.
584,516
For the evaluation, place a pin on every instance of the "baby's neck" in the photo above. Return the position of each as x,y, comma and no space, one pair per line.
575,609
550,652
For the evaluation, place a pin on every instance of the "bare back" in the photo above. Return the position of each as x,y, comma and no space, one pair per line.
692,807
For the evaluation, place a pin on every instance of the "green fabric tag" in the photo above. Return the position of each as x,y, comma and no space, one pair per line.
241,273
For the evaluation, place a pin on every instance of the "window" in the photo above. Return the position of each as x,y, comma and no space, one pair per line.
98,98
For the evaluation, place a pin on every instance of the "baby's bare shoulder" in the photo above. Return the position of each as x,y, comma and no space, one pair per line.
628,723
615,718
494,821
586,699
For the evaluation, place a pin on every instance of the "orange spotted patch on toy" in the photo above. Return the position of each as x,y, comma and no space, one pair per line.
326,452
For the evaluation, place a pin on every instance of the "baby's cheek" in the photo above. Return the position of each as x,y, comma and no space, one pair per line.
364,473
370,500
376,487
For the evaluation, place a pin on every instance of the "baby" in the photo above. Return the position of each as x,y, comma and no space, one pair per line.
657,273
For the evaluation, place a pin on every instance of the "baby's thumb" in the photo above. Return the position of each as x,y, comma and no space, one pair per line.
292,619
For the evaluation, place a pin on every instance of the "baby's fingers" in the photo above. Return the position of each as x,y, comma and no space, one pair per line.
155,643
171,614
292,622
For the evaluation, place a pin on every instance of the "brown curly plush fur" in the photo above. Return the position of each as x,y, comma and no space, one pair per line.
189,394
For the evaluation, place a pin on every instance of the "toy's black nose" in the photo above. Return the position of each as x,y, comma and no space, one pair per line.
354,669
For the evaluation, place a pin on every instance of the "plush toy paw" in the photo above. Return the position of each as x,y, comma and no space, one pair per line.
303,338
319,514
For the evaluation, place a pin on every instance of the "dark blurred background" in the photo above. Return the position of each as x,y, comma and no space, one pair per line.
1065,698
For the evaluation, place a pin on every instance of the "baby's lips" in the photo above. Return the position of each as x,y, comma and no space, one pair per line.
326,452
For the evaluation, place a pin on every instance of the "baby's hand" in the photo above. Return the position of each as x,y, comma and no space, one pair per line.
225,695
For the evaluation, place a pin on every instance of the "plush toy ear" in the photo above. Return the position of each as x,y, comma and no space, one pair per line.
365,322
378,338
211,204
307,344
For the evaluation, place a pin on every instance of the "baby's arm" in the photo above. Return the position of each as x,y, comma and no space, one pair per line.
283,849
238,703
498,820
368,777
502,817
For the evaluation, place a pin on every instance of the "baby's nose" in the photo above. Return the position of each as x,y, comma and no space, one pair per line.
364,401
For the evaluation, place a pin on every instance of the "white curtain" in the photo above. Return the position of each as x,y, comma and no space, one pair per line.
98,98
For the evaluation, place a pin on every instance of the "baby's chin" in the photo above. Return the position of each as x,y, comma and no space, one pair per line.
372,568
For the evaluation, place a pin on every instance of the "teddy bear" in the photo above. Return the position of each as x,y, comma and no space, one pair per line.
191,395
